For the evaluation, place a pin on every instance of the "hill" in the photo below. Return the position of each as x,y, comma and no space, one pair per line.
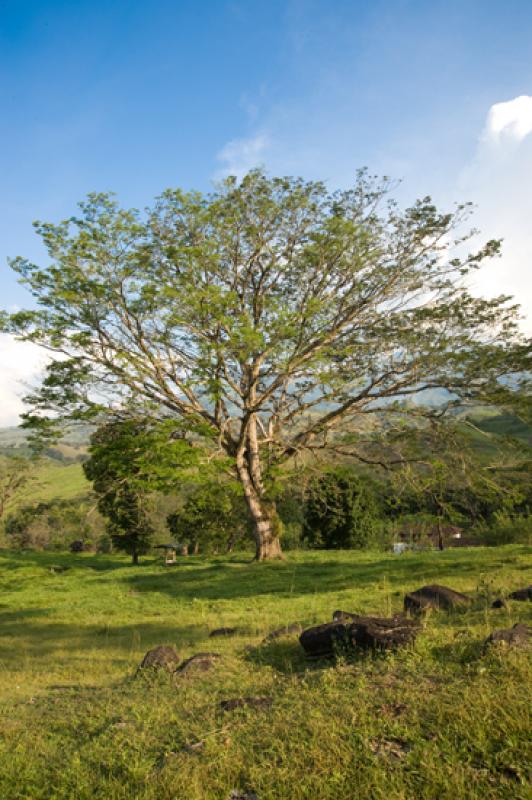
61,475
54,481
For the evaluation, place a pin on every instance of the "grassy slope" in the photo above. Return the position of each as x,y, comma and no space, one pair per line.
439,721
53,481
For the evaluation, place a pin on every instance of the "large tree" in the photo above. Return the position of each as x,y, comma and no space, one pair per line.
270,318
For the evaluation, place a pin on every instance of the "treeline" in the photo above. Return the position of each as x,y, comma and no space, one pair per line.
335,507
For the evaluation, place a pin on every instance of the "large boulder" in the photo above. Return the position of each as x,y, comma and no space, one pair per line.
522,594
518,636
368,633
434,596
161,657
324,640
383,633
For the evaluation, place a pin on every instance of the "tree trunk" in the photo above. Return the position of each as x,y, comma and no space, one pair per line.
267,543
263,514
135,557
440,535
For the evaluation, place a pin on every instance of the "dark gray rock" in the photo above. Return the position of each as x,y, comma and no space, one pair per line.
324,640
522,594
434,596
259,703
368,633
223,632
161,657
518,636
237,794
200,662
383,633
499,603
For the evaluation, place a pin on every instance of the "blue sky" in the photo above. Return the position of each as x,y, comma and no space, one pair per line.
135,96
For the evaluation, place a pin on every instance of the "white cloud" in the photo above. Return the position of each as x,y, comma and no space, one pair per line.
511,120
22,364
240,155
498,180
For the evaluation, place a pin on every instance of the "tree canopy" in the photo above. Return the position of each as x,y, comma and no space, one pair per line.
269,319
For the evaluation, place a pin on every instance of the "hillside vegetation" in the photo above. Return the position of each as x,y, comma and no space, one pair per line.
442,720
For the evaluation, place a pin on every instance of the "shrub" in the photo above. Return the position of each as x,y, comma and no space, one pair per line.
505,529
342,511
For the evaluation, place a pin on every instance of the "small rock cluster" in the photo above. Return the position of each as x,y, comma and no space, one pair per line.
166,658
348,631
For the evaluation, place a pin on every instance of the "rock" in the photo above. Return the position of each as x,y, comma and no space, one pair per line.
237,794
518,636
522,594
381,633
223,632
258,703
161,657
199,662
287,630
434,596
499,603
324,640
390,748
359,632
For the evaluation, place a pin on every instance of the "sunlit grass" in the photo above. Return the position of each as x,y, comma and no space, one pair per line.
442,720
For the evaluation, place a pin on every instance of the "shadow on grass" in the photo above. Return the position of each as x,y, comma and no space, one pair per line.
459,652
223,580
287,656
21,638
235,577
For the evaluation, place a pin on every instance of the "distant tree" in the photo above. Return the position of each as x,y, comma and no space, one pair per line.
214,517
113,467
341,510
130,459
272,318
54,524
16,474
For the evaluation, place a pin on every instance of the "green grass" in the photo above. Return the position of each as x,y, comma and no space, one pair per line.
53,481
442,720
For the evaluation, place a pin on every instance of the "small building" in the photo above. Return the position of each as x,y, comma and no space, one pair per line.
169,552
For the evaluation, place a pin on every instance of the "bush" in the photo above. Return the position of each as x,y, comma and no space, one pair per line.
53,525
505,529
342,511
292,536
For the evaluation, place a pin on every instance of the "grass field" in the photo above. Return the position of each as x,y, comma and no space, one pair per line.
53,481
442,720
